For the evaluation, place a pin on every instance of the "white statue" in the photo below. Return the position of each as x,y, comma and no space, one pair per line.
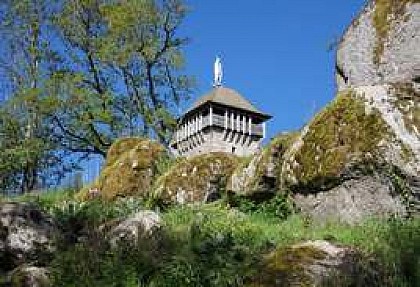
218,72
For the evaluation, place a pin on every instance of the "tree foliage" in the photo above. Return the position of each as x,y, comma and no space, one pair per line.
123,76
81,73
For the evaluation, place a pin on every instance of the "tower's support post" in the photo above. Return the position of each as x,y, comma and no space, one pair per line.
211,116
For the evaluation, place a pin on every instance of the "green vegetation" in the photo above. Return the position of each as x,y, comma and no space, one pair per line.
277,206
216,246
79,75
220,245
385,14
342,134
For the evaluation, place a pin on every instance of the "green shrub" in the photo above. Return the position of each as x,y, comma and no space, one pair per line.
214,245
279,206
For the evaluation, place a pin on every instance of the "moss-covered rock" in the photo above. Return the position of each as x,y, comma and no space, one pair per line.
316,263
131,166
196,179
260,173
343,133
386,13
407,100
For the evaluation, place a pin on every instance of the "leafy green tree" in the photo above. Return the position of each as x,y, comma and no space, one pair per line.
123,73
143,46
82,73
25,64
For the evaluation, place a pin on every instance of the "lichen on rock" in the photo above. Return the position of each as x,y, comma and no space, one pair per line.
27,235
386,13
131,166
313,263
354,200
196,179
260,174
343,133
407,100
143,227
381,45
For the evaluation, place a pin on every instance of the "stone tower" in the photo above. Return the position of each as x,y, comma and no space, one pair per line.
220,121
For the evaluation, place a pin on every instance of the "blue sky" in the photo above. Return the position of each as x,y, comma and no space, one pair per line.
274,52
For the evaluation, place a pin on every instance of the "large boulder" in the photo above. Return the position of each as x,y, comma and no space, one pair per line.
26,235
196,179
345,140
360,134
143,226
131,166
365,145
353,201
317,263
381,45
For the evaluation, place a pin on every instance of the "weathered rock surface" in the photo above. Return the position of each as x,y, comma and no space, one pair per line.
130,169
261,173
142,226
196,179
26,235
353,201
314,263
30,276
381,45
373,122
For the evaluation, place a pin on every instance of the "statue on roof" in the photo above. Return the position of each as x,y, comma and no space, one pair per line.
218,72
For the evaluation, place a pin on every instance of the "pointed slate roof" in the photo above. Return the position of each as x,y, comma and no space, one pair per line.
227,97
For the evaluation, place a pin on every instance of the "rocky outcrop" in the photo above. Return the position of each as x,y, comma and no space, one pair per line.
131,166
317,263
142,226
197,179
26,235
353,201
381,45
371,130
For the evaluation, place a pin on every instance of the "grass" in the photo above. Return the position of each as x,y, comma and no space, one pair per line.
395,243
46,199
212,245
